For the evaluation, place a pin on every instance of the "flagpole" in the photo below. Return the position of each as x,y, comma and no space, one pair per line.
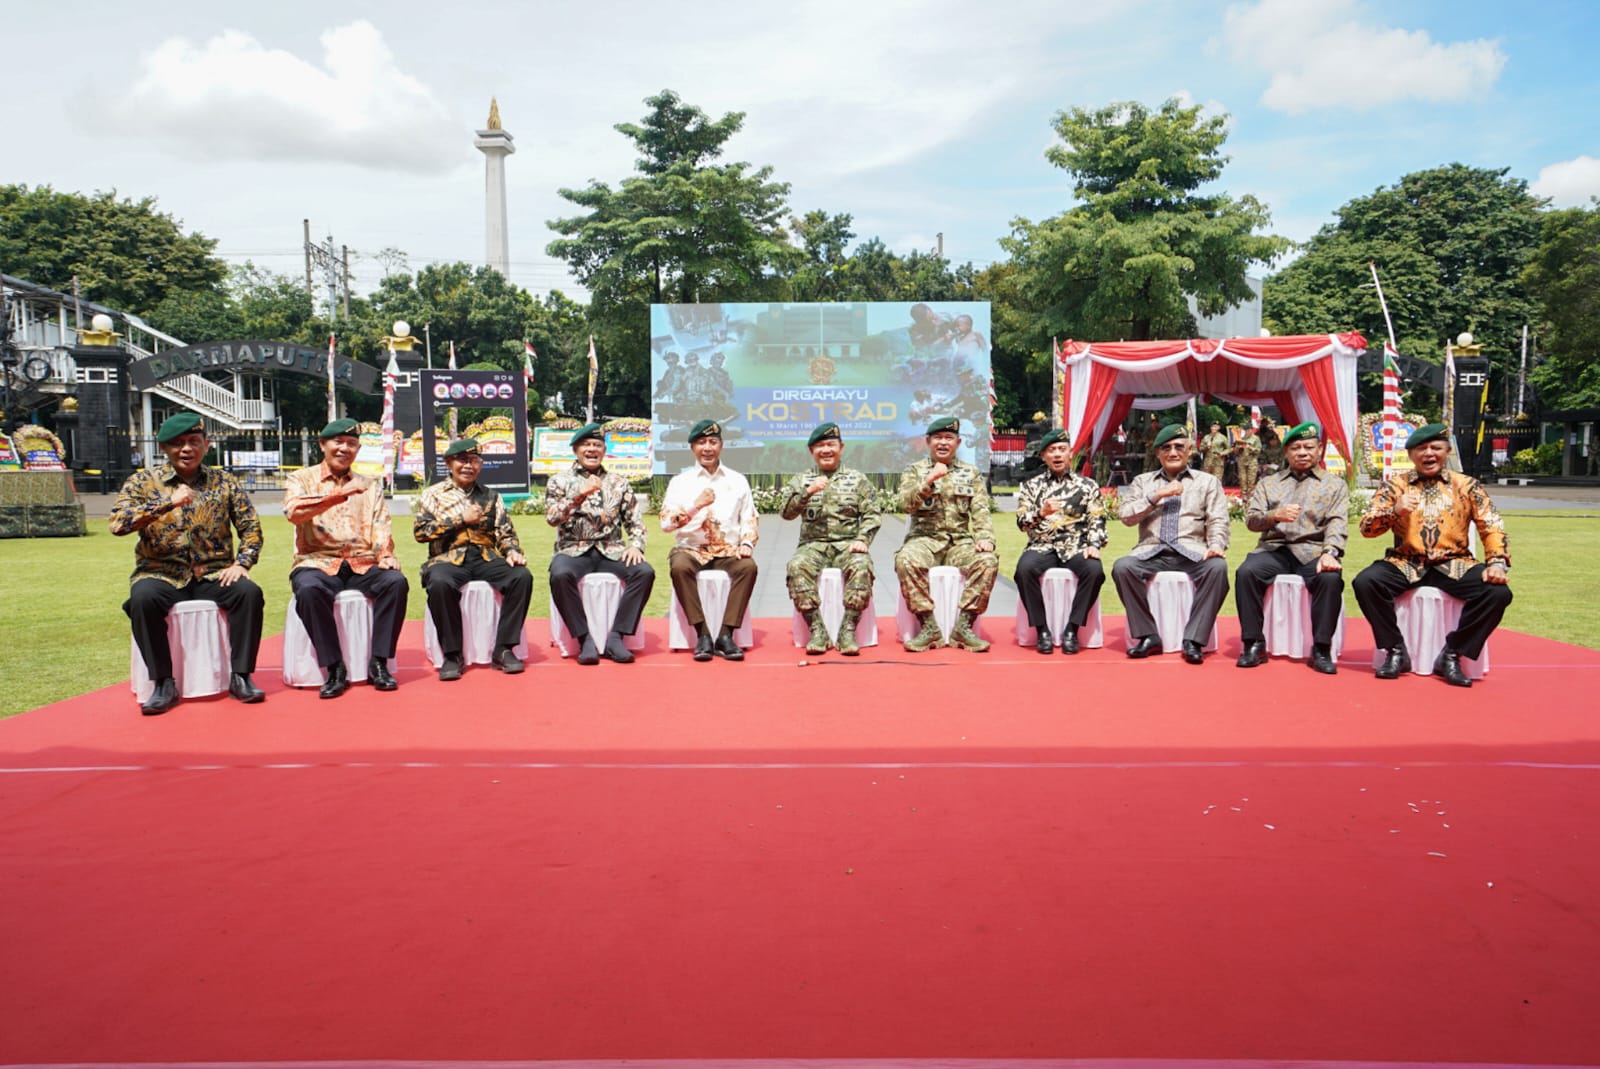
390,374
333,401
1391,380
1387,322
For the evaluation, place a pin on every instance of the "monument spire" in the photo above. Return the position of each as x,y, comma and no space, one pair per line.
495,144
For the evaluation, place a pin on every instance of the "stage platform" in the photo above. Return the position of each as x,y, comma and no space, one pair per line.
943,858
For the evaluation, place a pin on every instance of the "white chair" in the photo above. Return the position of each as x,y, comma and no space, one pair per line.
352,615
202,660
830,593
1426,615
1171,600
1286,619
714,586
945,584
480,619
601,594
1058,587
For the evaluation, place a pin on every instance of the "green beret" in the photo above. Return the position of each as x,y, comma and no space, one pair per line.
1057,435
944,423
823,432
182,423
338,428
584,433
1428,432
706,428
461,445
1302,430
1169,432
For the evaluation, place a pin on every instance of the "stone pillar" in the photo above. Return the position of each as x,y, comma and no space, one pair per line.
103,398
495,144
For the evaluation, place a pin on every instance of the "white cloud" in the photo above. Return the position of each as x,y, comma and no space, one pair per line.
234,98
1570,183
1321,54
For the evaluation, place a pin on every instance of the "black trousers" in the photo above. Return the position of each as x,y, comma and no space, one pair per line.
1485,603
566,571
314,591
443,582
1210,588
1032,565
150,599
684,571
1256,574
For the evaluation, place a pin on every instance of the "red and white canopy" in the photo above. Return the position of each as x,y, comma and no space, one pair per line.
1311,376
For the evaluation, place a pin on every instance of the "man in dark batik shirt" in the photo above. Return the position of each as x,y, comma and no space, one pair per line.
1064,517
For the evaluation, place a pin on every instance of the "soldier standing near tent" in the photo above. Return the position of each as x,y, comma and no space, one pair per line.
840,510
1248,451
1214,449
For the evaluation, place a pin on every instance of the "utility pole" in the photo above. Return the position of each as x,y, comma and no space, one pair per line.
335,272
310,295
346,250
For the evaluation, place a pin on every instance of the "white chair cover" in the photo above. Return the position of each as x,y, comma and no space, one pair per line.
1059,586
1286,619
1426,615
601,594
352,615
202,660
830,592
945,584
1171,599
480,617
714,587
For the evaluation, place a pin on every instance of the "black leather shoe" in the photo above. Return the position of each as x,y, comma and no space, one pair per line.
450,668
1322,660
1192,653
164,697
245,691
1144,647
702,646
338,681
507,661
727,648
1045,642
378,675
587,654
617,649
1448,668
1254,654
1069,639
1395,665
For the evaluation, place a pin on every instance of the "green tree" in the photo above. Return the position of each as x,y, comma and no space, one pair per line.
1122,264
1451,245
124,253
1564,278
823,238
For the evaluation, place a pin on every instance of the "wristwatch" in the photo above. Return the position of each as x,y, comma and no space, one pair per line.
1333,551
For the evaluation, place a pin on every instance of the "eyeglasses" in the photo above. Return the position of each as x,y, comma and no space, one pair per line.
1171,447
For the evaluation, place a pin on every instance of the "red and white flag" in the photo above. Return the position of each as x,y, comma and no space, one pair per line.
1255,417
1390,427
390,375
452,425
333,402
528,357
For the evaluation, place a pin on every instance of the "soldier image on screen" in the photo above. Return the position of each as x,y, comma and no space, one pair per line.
670,382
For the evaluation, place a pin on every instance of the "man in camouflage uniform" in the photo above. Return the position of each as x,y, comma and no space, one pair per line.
840,511
719,384
1064,517
670,384
1249,454
1214,448
947,507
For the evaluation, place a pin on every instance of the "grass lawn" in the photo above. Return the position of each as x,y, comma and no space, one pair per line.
66,635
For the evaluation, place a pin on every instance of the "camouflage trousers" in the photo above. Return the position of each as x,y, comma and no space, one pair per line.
1247,476
1215,466
978,571
805,568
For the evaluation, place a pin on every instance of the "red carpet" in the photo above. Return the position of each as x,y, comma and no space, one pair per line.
952,857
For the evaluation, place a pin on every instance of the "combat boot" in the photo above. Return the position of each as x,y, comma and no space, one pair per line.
965,637
847,633
925,639
818,642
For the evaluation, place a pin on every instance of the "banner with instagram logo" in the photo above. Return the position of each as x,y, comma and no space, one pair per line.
479,397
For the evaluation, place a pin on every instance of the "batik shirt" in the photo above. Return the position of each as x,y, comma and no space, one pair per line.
1079,522
846,510
1435,535
356,531
193,542
1189,524
956,508
607,520
440,521
718,530
1324,502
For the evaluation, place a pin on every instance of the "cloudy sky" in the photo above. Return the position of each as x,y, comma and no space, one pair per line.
919,119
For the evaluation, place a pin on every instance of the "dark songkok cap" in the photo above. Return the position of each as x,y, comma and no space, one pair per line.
944,423
706,428
823,432
461,445
182,423
584,433
1169,432
338,428
1057,435
1302,430
1428,432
